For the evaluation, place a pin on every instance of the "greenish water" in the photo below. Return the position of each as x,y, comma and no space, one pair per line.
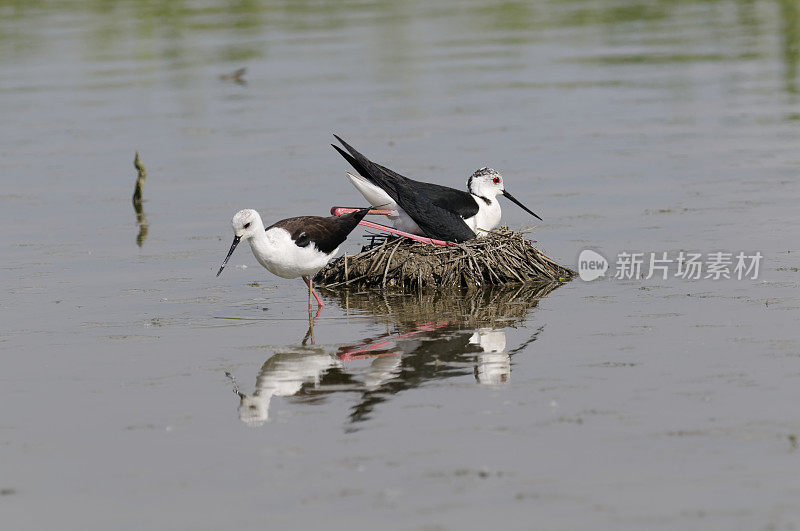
628,126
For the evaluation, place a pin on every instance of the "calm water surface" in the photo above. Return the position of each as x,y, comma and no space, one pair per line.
639,126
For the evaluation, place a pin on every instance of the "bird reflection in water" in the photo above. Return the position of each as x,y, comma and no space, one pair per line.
494,363
430,336
284,374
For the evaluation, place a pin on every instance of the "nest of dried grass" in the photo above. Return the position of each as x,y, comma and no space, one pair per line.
502,257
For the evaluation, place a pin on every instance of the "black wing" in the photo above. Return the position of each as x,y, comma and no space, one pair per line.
437,210
325,233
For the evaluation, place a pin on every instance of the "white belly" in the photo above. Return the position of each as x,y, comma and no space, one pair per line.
376,195
487,218
279,254
378,198
403,221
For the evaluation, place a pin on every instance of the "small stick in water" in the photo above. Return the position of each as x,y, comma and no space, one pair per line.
137,200
237,76
137,192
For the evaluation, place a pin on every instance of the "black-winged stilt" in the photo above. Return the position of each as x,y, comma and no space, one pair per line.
294,247
429,209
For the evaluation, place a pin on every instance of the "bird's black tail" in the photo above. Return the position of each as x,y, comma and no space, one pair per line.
346,224
360,168
353,218
375,173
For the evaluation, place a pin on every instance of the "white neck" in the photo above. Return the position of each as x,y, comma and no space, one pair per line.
265,249
488,216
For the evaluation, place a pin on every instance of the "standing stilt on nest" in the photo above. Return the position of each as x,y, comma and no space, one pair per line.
502,257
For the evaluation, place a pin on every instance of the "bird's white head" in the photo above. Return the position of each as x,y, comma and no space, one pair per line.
486,182
246,224
254,410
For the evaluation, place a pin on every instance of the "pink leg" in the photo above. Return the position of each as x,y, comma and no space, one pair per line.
306,281
391,230
320,304
362,352
311,291
340,211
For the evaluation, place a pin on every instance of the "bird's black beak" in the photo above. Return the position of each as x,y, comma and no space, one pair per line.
526,209
236,240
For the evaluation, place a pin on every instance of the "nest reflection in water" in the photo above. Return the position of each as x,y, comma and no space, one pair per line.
430,336
502,257
471,308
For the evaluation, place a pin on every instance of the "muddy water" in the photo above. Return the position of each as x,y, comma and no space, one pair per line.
628,126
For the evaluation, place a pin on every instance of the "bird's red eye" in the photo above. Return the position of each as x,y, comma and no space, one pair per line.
247,225
496,180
